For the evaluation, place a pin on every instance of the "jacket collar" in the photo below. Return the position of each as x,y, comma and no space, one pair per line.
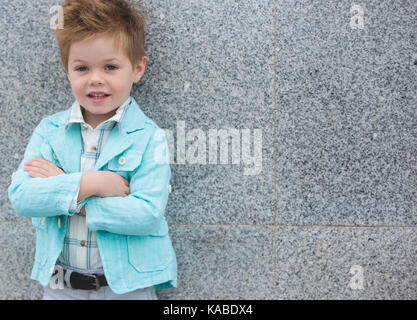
67,143
134,118
76,116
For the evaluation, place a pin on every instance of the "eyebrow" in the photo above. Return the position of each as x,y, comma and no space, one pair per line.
106,60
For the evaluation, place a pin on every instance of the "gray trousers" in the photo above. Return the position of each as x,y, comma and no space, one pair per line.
104,293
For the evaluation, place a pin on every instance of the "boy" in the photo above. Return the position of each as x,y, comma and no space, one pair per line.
95,177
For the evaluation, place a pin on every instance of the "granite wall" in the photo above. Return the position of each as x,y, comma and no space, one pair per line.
316,196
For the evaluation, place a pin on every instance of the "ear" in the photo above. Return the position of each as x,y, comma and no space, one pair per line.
139,69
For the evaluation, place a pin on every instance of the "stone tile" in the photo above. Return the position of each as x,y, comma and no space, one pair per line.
211,67
17,251
347,140
222,262
346,263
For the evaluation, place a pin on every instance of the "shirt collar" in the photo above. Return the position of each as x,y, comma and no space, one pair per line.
76,115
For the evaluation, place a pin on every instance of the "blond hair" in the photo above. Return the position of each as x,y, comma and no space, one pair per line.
84,19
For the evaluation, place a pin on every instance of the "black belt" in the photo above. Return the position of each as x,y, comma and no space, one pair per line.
87,281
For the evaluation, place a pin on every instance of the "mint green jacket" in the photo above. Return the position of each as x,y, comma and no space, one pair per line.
132,233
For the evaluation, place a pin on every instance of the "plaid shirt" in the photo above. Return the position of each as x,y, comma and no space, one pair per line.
80,251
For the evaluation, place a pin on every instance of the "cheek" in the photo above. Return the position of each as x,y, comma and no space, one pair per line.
121,83
77,85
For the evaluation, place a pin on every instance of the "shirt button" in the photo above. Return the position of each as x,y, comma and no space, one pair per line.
122,160
169,189
82,243
85,126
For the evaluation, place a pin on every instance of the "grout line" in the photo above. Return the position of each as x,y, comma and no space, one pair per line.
273,226
276,226
275,104
275,143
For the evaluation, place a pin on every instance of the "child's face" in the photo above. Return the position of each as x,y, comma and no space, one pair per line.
95,66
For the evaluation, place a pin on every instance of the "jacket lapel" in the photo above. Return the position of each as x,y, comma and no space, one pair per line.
116,144
66,143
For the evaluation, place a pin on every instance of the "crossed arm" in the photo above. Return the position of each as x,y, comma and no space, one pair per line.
40,189
93,183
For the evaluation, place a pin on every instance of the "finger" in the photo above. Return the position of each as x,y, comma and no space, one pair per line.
36,163
47,167
51,167
43,162
38,166
35,174
36,169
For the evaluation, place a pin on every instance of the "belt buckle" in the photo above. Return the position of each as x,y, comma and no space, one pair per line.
97,282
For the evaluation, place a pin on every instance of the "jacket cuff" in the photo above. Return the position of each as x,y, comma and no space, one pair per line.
75,206
66,189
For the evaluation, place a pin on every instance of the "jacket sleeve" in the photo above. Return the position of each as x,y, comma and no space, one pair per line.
141,212
41,197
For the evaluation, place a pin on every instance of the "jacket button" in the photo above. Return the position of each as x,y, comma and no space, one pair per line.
93,148
85,126
82,243
122,160
54,156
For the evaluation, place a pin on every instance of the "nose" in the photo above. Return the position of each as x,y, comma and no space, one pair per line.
96,78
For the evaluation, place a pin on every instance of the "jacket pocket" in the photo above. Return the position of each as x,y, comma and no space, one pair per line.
126,161
150,253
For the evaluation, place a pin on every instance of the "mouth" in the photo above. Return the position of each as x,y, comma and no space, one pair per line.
97,96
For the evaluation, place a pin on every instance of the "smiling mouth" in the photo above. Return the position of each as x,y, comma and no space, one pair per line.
98,98
98,95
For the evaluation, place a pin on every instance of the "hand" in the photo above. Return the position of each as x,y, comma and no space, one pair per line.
41,168
110,184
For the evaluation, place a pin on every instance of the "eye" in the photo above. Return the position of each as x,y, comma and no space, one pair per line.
111,67
82,68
